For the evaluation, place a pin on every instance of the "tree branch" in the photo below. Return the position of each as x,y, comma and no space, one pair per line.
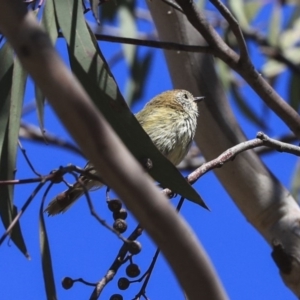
235,27
107,153
242,67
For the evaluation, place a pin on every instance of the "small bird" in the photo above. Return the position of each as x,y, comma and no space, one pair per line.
170,119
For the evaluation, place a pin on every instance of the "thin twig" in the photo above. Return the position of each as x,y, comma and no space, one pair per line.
84,282
56,176
29,131
194,159
117,263
261,140
94,213
234,26
148,273
153,44
28,160
278,145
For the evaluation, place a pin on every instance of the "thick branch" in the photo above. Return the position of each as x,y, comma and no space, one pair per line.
108,154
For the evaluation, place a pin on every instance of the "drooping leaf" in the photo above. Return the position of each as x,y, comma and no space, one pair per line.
272,68
275,25
290,36
6,71
95,9
48,20
16,103
294,17
90,67
17,236
49,23
295,184
46,254
12,87
237,8
40,103
225,74
251,8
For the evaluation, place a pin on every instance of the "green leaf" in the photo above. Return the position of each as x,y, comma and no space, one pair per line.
245,108
12,87
251,9
201,4
6,71
89,65
46,254
295,184
294,17
225,74
275,25
290,36
237,8
17,236
17,96
273,68
49,23
40,103
128,29
95,9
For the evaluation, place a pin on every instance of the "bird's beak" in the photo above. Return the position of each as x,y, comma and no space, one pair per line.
198,99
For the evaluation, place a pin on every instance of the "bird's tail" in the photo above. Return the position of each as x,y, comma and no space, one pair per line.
66,199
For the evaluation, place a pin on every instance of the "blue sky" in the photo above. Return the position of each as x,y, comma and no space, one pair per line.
80,247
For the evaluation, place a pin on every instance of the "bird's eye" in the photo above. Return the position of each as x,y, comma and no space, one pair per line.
185,96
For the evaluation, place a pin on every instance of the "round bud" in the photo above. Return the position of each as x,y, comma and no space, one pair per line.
133,270
114,205
67,283
121,214
134,247
120,225
116,297
123,283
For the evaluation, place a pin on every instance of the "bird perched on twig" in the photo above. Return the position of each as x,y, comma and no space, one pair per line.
170,119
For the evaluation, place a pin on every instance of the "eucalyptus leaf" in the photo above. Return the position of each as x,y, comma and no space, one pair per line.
46,254
251,9
295,184
12,83
237,8
6,71
273,68
275,25
49,23
95,9
89,65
